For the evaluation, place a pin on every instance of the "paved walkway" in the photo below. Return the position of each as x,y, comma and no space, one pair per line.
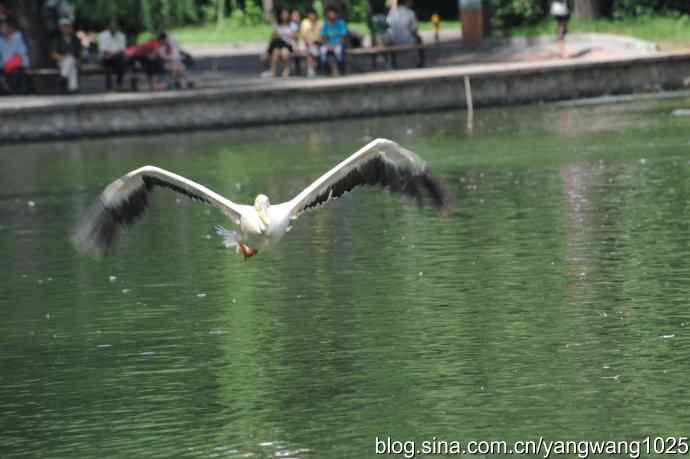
541,46
535,50
545,48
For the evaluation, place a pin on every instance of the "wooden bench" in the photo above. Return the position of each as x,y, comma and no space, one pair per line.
84,69
43,80
296,60
390,53
52,74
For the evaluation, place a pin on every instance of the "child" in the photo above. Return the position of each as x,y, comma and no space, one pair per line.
333,35
282,43
310,33
436,26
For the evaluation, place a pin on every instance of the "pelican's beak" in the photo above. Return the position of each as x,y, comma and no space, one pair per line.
263,216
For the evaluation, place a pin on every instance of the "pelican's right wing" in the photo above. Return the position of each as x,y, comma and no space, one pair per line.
125,200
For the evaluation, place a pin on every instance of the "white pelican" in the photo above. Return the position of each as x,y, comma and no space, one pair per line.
381,162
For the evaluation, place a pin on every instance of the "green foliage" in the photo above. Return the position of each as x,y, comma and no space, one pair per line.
208,12
509,13
161,14
318,6
237,17
359,10
138,15
648,8
512,13
631,8
253,13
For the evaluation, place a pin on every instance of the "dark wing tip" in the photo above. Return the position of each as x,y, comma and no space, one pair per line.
96,232
421,185
441,198
406,178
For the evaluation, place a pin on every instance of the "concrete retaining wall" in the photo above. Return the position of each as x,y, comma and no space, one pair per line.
295,100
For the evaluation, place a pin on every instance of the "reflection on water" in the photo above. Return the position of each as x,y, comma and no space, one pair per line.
554,303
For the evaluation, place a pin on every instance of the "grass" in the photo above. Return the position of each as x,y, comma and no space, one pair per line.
234,34
667,31
228,34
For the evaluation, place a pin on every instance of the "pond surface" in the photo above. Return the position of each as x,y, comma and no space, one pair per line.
554,302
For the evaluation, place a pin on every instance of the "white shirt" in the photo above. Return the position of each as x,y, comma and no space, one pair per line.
111,42
286,32
403,23
171,52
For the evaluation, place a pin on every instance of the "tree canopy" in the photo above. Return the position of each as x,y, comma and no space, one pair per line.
135,16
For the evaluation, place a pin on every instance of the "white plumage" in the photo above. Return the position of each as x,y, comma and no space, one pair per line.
381,162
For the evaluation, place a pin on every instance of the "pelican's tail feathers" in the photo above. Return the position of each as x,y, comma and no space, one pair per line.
231,239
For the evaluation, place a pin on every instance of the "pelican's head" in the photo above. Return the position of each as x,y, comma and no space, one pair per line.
261,204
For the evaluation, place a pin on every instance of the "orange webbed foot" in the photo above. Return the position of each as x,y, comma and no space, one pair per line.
247,251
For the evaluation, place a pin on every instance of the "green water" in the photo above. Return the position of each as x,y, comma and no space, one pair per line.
554,302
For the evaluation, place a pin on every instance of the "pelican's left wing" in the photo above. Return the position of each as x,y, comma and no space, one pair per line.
381,162
126,199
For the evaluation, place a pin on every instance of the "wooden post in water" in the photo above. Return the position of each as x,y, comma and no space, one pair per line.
470,104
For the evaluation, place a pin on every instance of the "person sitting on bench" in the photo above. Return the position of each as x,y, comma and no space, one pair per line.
14,59
310,33
146,55
282,43
173,62
66,53
404,29
333,34
403,25
111,47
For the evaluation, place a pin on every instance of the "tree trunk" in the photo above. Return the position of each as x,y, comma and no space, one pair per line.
220,13
587,9
268,10
30,20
